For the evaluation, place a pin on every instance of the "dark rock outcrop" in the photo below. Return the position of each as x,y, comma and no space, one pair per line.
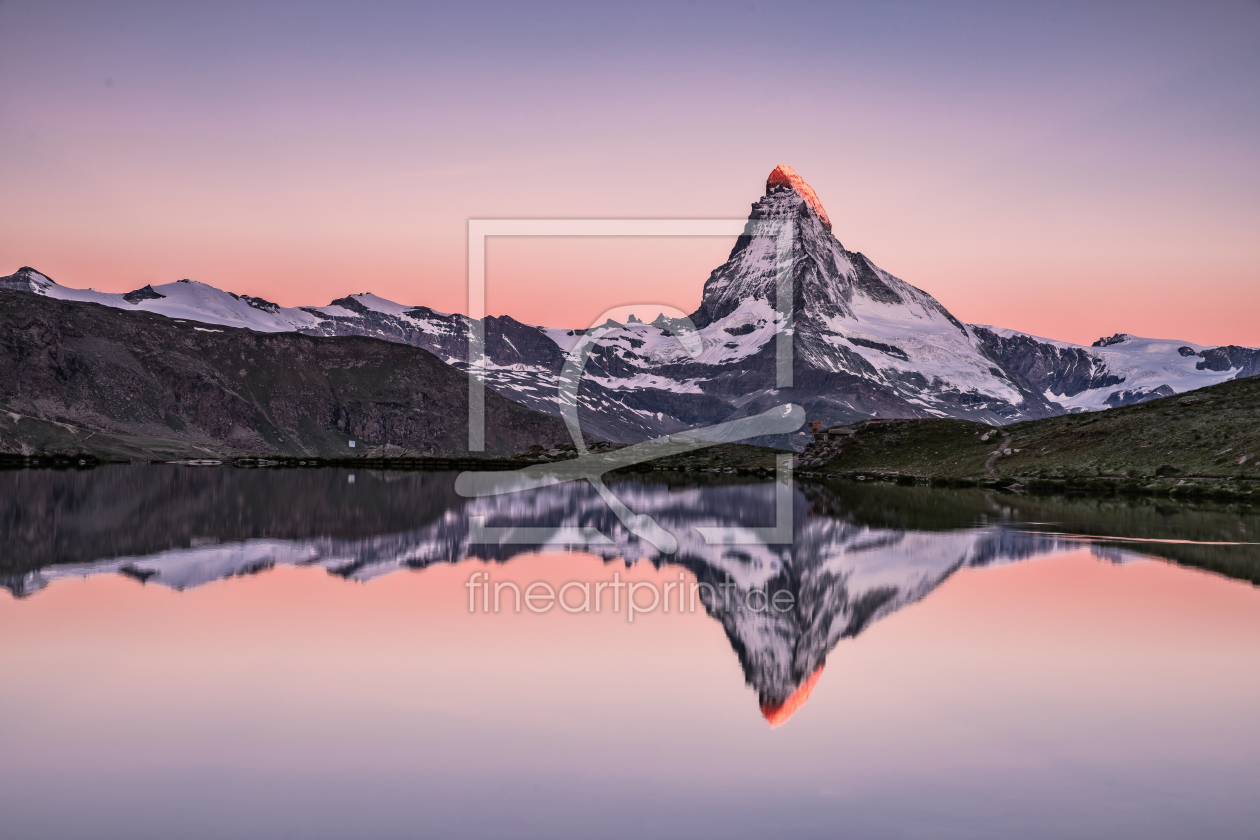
1060,370
146,293
1108,341
1229,357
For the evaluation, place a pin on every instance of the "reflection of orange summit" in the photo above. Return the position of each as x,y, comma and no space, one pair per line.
785,176
778,714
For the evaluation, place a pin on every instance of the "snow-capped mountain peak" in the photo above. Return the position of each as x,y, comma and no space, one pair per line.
785,176
27,279
851,321
375,303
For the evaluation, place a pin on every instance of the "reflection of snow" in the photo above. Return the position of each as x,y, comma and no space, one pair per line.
869,558
843,576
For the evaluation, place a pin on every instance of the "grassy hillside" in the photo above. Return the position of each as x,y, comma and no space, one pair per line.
1214,536
723,458
1212,433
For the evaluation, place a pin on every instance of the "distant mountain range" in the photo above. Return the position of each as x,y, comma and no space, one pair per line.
865,343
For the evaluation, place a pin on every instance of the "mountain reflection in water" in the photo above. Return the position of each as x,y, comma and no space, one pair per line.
859,553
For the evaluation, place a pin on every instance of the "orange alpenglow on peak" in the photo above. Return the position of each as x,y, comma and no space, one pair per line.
777,714
785,176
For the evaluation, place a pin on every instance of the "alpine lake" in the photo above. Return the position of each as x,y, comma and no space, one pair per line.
215,651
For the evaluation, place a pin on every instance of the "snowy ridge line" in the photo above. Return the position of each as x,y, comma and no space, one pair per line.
1118,370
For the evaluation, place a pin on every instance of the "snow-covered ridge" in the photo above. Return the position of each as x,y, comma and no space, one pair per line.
1117,370
190,300
186,300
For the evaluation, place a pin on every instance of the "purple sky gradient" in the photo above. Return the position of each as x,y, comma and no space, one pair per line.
1069,169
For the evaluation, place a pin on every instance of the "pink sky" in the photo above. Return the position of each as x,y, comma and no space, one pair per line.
1072,172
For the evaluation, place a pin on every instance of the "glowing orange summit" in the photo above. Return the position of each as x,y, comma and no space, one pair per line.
777,714
785,176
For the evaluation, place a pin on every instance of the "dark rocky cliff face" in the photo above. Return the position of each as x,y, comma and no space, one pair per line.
82,377
1230,357
1061,370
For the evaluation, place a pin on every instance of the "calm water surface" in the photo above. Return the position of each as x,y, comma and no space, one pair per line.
211,652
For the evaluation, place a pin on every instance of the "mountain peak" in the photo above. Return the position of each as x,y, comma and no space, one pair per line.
777,714
785,176
27,279
31,274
